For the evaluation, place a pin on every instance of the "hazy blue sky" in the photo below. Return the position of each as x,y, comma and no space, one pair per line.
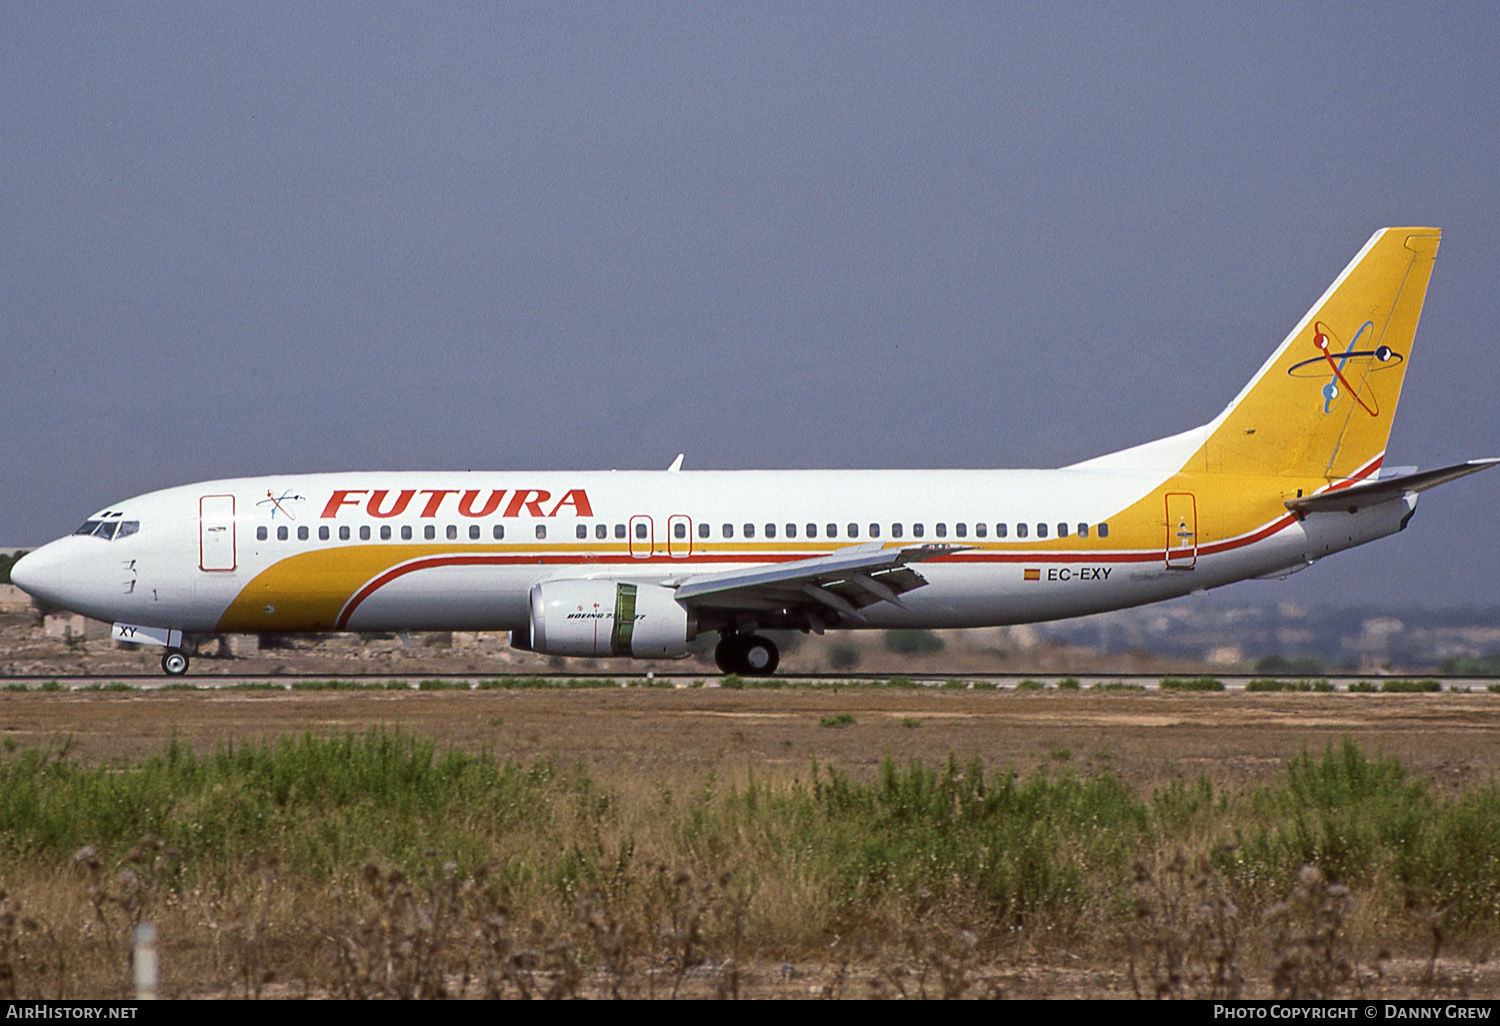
254,237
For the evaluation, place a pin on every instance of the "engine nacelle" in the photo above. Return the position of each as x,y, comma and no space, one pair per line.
608,618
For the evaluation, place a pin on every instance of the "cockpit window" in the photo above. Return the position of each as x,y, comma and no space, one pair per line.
109,530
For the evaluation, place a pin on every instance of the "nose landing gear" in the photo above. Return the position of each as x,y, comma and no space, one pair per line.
175,662
748,655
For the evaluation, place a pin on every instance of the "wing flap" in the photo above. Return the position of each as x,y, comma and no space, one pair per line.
840,584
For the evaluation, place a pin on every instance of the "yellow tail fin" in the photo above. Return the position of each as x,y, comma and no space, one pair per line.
1321,407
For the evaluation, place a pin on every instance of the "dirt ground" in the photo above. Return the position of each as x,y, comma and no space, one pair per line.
1238,739
670,734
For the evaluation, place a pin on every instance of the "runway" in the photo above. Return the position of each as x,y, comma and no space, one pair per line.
687,679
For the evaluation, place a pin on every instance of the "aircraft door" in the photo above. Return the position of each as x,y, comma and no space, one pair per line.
642,536
1182,531
216,541
679,536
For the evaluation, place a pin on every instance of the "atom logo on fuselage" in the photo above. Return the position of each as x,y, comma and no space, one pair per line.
1348,367
275,502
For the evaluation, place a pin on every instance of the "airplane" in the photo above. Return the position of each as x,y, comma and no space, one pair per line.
641,563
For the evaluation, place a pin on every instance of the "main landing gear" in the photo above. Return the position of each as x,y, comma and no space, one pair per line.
748,655
175,662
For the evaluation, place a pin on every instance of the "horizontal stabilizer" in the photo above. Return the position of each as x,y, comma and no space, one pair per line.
1371,493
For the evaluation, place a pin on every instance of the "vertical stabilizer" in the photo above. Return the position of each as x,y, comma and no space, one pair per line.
1321,407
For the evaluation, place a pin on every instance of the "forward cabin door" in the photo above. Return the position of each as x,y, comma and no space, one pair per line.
216,541
1182,531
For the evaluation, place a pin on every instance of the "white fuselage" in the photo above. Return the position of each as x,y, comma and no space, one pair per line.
418,551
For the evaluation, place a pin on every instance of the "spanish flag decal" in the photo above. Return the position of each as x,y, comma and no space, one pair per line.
1032,575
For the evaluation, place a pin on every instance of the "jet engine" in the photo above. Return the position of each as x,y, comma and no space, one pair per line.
607,618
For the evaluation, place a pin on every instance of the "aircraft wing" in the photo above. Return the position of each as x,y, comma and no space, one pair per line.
1370,493
842,583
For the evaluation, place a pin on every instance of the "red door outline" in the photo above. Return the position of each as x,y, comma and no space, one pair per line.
215,517
679,548
640,548
1182,531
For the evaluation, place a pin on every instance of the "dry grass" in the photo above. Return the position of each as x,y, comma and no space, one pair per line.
641,865
925,882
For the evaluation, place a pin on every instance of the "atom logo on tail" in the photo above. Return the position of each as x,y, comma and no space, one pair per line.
1347,365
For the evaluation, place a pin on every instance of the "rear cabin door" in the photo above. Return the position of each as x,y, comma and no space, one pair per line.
679,536
1182,531
216,540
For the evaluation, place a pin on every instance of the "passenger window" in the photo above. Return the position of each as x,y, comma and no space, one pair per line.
980,530
1001,530
791,530
582,532
874,530
853,531
895,530
1083,530
261,534
323,533
704,531
1104,530
364,532
961,530
1062,530
429,532
619,530
1020,530
749,530
302,534
941,530
770,530
541,532
281,532
917,530
812,530
728,531
601,532
385,532
406,532
640,530
833,530
473,532
452,532
1041,530
344,533
679,530
499,532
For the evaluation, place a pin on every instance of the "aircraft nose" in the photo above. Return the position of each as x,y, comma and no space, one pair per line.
40,574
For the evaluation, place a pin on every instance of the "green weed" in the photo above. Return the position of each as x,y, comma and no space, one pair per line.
1398,685
1268,684
1191,684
